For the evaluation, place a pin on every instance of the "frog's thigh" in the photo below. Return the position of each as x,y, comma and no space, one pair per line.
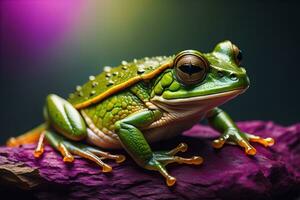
100,139
65,119
132,138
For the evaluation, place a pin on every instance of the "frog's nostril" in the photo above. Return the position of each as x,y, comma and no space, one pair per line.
221,74
233,77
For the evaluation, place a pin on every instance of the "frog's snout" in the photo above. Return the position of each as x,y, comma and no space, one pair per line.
241,80
236,80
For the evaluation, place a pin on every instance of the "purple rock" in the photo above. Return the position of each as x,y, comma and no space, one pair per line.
273,173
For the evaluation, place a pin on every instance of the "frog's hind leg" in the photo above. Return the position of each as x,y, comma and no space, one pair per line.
65,120
29,137
69,148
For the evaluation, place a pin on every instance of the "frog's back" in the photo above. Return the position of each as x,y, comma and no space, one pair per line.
113,80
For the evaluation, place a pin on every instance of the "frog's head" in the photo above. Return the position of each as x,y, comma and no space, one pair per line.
202,79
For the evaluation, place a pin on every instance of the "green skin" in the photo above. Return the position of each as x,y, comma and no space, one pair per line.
127,115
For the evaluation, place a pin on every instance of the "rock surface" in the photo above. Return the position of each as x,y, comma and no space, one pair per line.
228,173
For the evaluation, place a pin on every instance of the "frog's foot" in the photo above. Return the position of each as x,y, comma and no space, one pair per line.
234,136
68,148
162,158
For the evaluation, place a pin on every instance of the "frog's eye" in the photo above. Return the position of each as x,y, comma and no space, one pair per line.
237,54
190,68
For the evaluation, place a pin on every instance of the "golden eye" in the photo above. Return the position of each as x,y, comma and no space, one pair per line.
190,68
237,54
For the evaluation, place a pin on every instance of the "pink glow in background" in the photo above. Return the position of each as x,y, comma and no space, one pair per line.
32,28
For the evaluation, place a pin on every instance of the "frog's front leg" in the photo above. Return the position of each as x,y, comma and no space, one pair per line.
132,139
63,118
231,134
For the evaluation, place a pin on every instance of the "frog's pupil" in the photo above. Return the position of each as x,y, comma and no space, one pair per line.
190,69
239,56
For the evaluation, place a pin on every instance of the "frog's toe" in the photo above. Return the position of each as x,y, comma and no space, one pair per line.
219,143
155,164
195,160
69,148
170,180
267,142
83,152
249,149
235,138
39,150
105,155
159,163
182,147
169,157
242,139
68,157
162,158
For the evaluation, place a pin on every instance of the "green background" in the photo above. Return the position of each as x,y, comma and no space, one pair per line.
77,39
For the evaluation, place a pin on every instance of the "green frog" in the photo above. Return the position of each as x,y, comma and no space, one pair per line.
144,101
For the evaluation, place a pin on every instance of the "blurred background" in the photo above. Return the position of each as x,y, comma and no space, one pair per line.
50,46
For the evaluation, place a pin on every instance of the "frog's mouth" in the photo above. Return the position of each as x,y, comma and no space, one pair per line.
193,105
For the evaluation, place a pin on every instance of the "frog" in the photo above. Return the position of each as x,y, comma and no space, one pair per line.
144,101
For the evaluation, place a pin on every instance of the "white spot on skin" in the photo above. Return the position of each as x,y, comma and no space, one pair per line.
91,78
94,84
141,66
109,83
107,69
93,92
115,73
78,88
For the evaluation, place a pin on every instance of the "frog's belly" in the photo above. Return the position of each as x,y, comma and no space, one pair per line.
171,129
154,134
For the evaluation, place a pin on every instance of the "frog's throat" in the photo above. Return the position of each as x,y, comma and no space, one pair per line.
183,107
